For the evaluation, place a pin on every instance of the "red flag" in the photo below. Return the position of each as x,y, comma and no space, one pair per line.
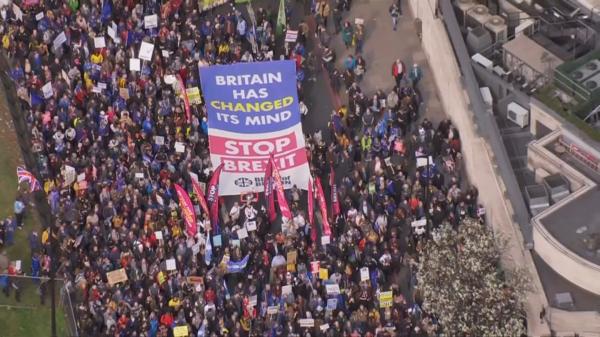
270,198
323,206
335,201
283,205
187,210
213,199
200,196
311,210
186,101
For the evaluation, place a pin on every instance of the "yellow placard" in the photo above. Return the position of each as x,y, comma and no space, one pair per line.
385,299
291,267
180,331
324,274
193,95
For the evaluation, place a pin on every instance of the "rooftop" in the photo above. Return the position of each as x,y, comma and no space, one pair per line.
531,53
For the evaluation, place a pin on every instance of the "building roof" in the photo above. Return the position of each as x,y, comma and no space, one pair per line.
531,53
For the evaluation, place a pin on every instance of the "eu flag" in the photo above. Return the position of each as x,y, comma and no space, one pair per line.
107,9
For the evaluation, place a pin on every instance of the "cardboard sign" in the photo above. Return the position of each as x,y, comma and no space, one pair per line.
146,50
116,276
323,274
59,40
332,304
242,233
364,274
150,21
135,65
306,322
171,265
47,90
385,299
99,42
217,241
158,235
251,226
332,289
292,257
124,92
286,290
325,240
193,94
181,331
272,310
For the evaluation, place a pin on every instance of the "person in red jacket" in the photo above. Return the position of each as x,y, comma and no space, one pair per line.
398,71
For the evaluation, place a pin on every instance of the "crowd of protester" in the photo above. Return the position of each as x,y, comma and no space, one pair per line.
121,211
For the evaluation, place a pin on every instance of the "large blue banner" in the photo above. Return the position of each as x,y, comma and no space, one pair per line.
254,97
253,113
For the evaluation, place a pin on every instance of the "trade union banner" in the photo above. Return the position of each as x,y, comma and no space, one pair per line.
253,112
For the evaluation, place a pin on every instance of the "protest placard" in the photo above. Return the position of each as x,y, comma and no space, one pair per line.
39,16
47,90
18,12
81,177
99,42
150,21
193,94
332,289
181,331
292,256
159,140
272,310
171,265
158,235
116,276
286,290
323,273
59,40
253,300
315,266
124,92
251,226
196,248
332,304
306,322
325,240
217,241
364,274
324,327
179,147
242,233
385,299
146,50
135,65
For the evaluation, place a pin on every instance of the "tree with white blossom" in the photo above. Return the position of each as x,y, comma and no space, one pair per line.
462,283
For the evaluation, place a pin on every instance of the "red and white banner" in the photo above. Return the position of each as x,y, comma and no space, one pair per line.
335,201
268,189
283,205
323,207
213,199
187,210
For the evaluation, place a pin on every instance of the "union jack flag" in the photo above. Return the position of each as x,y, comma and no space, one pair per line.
24,175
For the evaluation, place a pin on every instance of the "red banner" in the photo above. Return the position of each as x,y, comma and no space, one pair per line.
186,101
200,196
213,199
283,205
311,211
322,206
270,198
335,201
187,210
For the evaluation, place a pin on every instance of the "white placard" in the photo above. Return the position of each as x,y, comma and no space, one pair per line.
139,175
364,274
135,65
159,140
242,233
99,42
171,265
47,90
306,322
251,226
253,300
286,290
324,327
112,33
81,177
96,90
423,161
18,265
170,79
179,147
291,36
272,310
332,289
39,16
59,40
165,53
419,223
18,12
196,248
150,21
325,240
158,235
102,85
359,21
146,50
